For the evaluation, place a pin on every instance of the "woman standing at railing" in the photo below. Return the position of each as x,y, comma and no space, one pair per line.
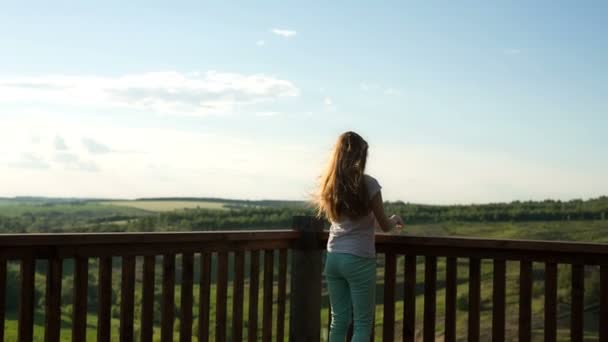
352,201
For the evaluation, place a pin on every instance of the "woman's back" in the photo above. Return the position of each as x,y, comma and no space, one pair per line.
355,236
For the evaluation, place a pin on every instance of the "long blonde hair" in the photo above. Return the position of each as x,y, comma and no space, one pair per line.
342,189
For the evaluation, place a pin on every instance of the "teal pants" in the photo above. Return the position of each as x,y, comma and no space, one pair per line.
351,281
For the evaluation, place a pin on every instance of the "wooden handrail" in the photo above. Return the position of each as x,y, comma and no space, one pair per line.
304,246
494,244
70,239
382,240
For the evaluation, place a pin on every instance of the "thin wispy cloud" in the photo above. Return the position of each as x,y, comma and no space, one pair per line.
512,51
373,87
328,101
392,92
95,147
267,114
260,43
30,161
367,86
59,144
72,161
284,33
167,93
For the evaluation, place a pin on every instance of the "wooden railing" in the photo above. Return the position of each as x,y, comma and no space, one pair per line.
229,265
142,249
473,251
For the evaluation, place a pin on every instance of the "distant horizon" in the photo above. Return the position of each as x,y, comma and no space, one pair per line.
219,199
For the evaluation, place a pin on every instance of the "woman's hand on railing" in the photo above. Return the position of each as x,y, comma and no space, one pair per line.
397,222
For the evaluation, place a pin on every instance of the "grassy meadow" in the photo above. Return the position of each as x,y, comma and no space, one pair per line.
161,206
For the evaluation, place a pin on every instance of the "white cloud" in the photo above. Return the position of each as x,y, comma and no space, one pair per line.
30,161
186,163
284,33
95,147
72,161
169,93
190,163
445,174
59,144
512,51
373,87
392,92
267,114
260,43
364,86
328,101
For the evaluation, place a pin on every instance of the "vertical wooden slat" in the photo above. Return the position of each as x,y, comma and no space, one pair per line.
474,298
578,289
26,301
267,306
237,296
390,273
349,332
498,301
409,300
53,300
168,299
306,280
253,296
525,301
2,296
221,299
328,316
282,294
550,302
127,292
603,324
147,304
104,292
372,337
430,292
450,300
185,328
79,312
204,289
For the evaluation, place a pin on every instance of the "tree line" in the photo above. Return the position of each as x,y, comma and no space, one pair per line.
280,216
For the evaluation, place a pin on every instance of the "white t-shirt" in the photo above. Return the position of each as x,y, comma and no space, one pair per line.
355,236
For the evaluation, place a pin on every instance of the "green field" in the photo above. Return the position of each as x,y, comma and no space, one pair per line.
92,209
168,205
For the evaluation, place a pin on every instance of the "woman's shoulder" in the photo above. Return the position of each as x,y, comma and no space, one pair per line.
368,176
370,179
373,186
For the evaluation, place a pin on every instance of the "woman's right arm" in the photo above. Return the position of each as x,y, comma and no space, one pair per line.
386,223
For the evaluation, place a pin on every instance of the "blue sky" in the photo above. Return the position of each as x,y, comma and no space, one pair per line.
460,101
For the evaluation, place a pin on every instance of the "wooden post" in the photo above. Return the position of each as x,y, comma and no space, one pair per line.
306,272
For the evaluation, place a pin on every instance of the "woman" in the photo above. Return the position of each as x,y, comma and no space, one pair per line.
352,201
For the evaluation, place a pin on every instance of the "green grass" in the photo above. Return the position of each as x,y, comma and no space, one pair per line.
590,231
99,210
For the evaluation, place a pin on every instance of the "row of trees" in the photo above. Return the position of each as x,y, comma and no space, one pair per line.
280,216
548,210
